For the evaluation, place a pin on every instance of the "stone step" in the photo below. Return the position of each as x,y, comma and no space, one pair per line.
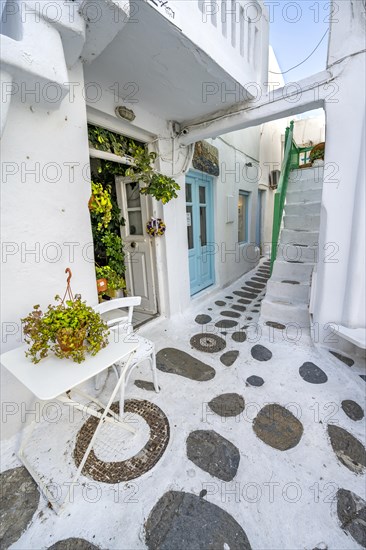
315,174
292,271
304,185
296,253
303,209
292,291
304,196
299,238
285,312
302,223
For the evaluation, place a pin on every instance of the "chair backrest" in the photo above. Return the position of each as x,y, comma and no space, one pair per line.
116,305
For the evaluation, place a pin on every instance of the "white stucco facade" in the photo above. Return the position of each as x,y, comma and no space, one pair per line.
45,160
45,186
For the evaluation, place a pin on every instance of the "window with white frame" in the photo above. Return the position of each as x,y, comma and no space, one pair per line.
243,217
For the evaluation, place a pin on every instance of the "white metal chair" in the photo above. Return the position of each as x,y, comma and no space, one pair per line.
120,325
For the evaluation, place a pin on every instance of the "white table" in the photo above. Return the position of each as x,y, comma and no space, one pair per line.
55,378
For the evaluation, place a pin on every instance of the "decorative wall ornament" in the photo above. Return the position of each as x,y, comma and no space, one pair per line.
206,158
155,227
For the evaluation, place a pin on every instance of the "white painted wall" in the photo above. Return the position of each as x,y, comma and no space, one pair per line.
339,295
310,130
270,157
45,222
340,288
231,258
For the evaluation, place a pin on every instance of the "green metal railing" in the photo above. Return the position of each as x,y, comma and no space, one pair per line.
290,161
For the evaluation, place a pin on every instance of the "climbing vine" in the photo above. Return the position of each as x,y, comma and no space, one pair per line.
159,186
106,222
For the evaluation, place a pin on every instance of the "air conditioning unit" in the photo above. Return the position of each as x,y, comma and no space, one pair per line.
274,178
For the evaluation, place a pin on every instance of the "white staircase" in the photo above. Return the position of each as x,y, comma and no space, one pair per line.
288,289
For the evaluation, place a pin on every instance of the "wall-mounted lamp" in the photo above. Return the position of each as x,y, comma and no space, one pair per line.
123,112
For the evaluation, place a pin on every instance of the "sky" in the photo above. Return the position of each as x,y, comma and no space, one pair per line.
296,27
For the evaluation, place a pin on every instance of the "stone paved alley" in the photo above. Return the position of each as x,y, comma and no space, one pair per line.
255,441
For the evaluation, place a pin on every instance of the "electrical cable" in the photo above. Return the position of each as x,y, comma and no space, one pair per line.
308,57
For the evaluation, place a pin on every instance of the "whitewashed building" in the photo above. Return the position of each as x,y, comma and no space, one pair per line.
167,62
189,71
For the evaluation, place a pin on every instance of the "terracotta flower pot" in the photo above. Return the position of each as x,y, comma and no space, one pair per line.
102,285
71,340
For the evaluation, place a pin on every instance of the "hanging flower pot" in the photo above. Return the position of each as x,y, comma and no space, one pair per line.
155,227
71,340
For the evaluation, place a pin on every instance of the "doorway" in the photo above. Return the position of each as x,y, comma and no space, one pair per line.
138,246
200,230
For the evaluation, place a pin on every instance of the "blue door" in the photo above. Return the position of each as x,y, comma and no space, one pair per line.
200,233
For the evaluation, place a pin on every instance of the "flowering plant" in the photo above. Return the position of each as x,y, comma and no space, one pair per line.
155,227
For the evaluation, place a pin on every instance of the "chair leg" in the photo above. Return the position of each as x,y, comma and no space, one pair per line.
97,381
122,399
154,371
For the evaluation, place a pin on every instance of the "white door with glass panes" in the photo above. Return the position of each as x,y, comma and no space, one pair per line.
138,246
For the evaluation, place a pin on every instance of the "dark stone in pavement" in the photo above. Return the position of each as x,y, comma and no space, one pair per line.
144,385
175,361
239,336
248,295
213,453
350,452
260,278
220,303
255,284
238,308
255,381
73,544
232,314
229,297
229,358
203,319
312,373
290,282
255,291
227,404
347,360
352,409
245,301
260,353
210,343
19,501
278,427
276,325
351,510
226,323
183,521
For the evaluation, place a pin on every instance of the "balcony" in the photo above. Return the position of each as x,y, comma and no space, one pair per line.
184,60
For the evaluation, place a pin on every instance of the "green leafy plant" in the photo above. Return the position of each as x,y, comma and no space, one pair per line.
162,188
115,281
69,330
104,140
101,205
114,252
317,153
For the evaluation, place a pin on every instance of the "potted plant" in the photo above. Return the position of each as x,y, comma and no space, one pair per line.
68,329
114,281
317,154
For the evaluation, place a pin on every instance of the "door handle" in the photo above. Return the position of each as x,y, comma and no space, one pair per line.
133,244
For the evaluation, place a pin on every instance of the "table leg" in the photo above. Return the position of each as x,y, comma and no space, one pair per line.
102,419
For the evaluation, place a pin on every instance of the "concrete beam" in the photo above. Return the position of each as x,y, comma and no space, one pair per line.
294,98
